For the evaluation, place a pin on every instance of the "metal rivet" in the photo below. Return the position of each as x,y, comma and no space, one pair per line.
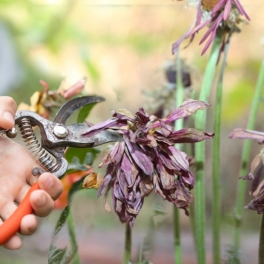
11,133
60,131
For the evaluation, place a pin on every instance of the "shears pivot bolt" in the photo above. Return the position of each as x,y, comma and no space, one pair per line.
60,131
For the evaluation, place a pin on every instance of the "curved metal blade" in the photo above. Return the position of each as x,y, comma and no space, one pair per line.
71,106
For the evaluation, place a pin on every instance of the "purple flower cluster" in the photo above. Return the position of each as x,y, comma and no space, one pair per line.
147,159
224,13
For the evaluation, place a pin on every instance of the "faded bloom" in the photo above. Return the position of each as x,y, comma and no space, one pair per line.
147,159
257,188
215,14
42,102
75,89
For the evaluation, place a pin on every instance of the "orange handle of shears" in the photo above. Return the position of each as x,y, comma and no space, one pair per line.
12,225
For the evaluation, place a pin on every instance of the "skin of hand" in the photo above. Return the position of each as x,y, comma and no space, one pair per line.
16,164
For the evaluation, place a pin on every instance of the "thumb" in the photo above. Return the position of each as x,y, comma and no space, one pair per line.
8,109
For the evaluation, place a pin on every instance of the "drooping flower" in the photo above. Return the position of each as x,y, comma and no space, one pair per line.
257,187
147,159
214,13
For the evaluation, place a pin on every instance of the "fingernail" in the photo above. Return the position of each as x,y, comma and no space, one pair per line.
48,182
8,116
41,201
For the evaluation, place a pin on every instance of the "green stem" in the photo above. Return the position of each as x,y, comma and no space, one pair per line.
72,235
178,125
245,156
261,242
128,241
216,203
200,122
177,236
179,92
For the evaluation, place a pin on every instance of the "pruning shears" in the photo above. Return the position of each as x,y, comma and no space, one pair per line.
56,136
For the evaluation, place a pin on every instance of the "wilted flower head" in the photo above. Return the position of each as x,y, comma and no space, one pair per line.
146,159
257,188
215,14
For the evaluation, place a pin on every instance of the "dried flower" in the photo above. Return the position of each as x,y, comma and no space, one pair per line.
92,181
42,102
257,188
215,14
147,160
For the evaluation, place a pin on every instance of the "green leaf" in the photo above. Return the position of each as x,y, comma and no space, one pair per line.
84,112
61,221
59,255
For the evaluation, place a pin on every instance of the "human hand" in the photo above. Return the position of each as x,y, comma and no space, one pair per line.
16,164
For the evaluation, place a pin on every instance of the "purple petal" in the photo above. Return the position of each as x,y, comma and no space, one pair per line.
187,108
247,134
142,116
166,161
114,155
123,115
219,6
188,179
176,44
214,30
146,186
157,186
129,170
189,135
179,158
167,179
100,126
227,9
108,181
166,130
241,9
139,157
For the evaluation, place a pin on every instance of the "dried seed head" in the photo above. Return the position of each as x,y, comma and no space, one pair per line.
209,4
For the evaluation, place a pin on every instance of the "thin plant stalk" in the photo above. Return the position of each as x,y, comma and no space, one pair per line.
240,200
261,243
72,235
216,202
200,124
178,125
128,244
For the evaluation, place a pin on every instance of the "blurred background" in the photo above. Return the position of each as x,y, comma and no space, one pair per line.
123,47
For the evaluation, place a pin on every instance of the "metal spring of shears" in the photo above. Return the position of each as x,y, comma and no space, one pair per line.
35,147
55,137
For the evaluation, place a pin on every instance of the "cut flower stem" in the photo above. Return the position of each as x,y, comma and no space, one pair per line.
216,203
178,125
128,244
200,123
